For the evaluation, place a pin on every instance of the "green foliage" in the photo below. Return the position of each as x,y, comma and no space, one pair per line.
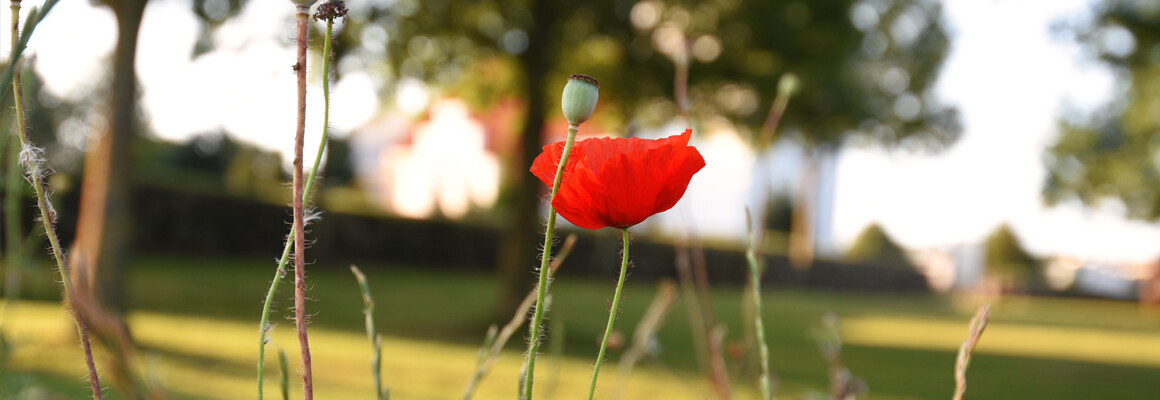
1112,154
1007,260
874,245
779,214
870,78
339,162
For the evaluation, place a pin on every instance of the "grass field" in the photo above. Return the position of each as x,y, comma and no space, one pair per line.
196,320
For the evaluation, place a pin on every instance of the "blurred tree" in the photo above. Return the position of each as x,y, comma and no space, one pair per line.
207,153
778,224
865,66
779,215
1114,153
874,245
1008,261
339,168
100,251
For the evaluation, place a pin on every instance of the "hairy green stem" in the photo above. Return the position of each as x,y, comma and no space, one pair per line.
611,313
280,272
496,338
758,325
536,328
36,178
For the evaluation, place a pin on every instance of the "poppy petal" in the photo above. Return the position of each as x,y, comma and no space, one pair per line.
619,182
640,184
545,165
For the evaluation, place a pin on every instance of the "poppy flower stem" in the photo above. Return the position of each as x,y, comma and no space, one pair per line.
536,328
612,313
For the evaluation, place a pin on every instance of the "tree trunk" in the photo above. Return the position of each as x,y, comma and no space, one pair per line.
103,224
801,237
517,252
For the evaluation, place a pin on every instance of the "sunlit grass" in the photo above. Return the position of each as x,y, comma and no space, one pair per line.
203,358
197,322
1009,339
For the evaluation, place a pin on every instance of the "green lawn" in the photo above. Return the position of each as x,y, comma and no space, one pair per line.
196,320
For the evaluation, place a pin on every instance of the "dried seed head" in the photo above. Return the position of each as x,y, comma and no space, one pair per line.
330,10
579,99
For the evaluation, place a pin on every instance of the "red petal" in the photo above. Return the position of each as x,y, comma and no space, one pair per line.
640,184
600,150
580,199
545,165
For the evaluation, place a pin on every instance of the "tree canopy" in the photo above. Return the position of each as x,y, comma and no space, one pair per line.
874,245
866,67
1006,258
1114,153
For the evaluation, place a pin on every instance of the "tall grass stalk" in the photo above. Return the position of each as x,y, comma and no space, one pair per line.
283,374
381,392
978,324
625,239
755,271
32,160
535,334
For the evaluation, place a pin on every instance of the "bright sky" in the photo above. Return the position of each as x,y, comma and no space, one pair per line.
1006,73
1009,78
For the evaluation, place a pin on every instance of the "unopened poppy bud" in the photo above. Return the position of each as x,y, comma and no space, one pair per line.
579,98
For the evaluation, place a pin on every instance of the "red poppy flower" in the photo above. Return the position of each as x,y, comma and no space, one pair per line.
619,182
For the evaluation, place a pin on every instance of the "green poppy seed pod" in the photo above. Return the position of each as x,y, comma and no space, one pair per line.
579,98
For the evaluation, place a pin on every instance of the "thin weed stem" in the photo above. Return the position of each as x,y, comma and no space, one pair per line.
302,17
283,374
372,333
755,271
536,328
280,272
35,174
291,238
611,313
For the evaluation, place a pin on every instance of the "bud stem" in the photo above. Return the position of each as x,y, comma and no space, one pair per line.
536,327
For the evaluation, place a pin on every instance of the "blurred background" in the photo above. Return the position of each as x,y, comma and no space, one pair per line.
904,161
